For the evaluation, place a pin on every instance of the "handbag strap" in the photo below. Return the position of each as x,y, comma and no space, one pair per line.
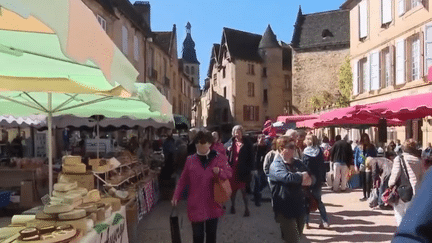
404,168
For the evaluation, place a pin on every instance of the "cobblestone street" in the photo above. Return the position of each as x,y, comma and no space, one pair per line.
350,219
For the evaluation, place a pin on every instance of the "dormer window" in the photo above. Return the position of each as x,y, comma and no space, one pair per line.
326,33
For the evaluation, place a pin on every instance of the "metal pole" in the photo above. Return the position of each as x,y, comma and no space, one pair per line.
50,157
97,136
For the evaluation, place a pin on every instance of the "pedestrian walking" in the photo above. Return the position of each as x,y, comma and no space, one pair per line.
260,179
313,158
287,176
203,211
407,159
241,159
342,157
217,144
362,151
169,150
326,148
298,153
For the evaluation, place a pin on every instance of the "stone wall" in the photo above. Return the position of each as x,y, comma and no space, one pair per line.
313,73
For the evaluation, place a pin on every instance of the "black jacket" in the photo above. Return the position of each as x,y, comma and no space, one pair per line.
260,152
342,152
245,160
313,158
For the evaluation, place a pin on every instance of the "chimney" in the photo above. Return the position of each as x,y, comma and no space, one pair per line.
143,8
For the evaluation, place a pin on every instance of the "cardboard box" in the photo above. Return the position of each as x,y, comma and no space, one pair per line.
83,180
27,194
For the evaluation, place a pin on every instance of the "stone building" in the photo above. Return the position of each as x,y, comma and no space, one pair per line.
247,80
153,53
320,45
390,57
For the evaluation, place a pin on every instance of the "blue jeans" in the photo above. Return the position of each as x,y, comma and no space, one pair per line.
260,182
316,193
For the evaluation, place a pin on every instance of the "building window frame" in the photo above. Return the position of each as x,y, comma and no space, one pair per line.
125,40
250,113
265,96
288,82
251,89
363,75
251,69
264,72
136,48
102,22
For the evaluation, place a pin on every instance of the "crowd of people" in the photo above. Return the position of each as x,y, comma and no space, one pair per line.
295,166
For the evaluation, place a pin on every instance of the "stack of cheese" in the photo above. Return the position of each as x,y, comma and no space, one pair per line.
72,165
100,165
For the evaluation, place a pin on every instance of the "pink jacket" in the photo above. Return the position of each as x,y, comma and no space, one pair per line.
219,147
201,205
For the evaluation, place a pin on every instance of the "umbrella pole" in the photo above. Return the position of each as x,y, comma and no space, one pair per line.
50,157
97,136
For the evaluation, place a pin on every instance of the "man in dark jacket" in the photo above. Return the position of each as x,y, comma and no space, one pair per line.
260,179
342,157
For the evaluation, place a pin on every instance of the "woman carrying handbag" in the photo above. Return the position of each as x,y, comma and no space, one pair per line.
202,170
409,164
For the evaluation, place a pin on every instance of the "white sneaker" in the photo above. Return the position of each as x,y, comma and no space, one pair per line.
324,225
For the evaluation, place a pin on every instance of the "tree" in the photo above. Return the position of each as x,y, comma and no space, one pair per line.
345,83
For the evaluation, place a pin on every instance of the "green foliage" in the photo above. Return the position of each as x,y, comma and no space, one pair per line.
345,84
327,98
316,102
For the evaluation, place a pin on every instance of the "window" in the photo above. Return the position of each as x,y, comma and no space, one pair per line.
428,47
151,58
225,92
223,72
136,48
164,67
287,108
406,5
215,79
363,19
374,71
192,70
265,96
192,80
386,12
264,72
413,60
174,80
250,113
363,75
124,40
386,67
251,89
187,69
102,22
288,85
181,84
400,62
251,70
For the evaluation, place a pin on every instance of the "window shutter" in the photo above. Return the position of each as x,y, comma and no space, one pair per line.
355,79
400,62
367,75
257,113
401,7
428,47
124,40
374,65
421,55
363,19
245,113
386,11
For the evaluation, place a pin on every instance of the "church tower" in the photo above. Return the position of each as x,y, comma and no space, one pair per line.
190,61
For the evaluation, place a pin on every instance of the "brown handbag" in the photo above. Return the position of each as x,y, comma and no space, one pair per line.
222,191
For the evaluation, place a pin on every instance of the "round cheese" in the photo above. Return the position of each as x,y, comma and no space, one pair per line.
61,208
74,214
63,187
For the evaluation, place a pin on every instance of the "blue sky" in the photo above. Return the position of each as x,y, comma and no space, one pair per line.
209,17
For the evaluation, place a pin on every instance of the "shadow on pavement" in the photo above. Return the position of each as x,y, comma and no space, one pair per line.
378,237
361,213
338,220
332,205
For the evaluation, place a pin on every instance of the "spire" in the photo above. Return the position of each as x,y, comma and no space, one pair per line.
296,33
189,53
268,40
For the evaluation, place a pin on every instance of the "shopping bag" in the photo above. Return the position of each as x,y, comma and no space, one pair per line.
354,181
373,198
390,195
222,191
175,226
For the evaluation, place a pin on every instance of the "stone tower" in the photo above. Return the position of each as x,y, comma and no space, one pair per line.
190,61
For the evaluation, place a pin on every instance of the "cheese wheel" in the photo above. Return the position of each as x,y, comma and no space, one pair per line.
72,198
88,207
79,190
43,216
56,200
46,229
29,232
61,208
71,160
74,214
63,187
92,196
31,238
114,202
74,169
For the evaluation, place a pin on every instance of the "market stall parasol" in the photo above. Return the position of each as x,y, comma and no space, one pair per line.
46,56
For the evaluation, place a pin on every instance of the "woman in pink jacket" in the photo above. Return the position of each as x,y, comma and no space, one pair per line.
200,173
217,144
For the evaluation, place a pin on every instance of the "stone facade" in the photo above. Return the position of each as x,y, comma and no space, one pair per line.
315,72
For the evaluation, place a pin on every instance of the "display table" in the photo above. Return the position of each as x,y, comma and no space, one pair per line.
115,231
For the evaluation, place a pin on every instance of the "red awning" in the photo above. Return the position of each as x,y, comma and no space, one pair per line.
296,118
403,108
